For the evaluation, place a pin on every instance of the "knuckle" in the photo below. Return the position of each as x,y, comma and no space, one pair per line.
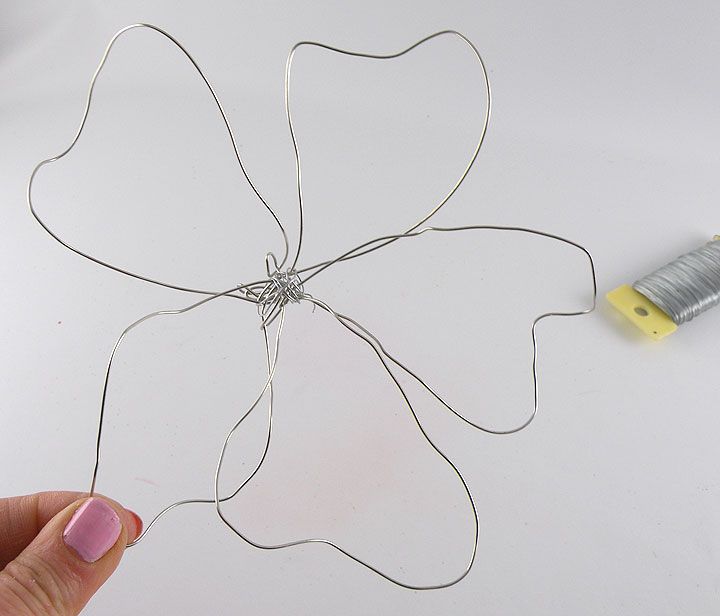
35,586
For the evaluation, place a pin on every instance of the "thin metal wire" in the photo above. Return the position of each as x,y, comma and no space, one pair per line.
273,362
533,330
357,54
687,286
79,131
118,342
206,501
115,348
284,286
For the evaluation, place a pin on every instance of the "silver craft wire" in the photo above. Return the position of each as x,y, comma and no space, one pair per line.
80,129
272,295
687,286
388,238
357,54
119,341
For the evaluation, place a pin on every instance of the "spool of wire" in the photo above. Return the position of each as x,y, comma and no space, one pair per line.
673,294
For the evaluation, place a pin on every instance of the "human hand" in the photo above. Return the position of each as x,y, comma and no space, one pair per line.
57,549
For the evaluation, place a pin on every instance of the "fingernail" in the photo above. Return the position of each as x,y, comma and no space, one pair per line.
93,530
138,524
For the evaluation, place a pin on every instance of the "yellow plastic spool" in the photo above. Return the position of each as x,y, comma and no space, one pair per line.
640,311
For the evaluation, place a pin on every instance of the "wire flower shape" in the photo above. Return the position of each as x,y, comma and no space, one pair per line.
285,284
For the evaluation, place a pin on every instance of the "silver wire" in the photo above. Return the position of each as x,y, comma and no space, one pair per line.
103,402
687,286
328,542
533,329
463,175
284,286
79,131
115,348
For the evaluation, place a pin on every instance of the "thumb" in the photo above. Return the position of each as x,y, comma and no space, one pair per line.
71,557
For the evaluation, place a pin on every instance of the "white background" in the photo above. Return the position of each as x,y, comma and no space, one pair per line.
605,130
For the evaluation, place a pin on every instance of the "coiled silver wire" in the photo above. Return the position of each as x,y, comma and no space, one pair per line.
687,286
285,285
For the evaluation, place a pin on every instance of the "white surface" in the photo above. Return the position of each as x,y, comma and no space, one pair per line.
605,130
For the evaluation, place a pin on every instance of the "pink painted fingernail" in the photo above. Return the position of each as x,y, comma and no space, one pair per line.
93,530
